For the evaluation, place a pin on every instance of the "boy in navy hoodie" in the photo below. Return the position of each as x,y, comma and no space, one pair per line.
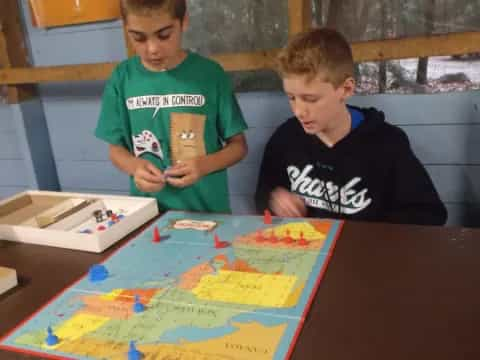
335,160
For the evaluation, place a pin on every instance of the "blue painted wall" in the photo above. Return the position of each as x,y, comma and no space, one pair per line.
444,129
13,173
25,153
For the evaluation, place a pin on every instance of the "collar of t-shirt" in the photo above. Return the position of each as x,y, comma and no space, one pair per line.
356,116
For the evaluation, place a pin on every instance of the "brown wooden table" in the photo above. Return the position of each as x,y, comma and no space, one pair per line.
390,292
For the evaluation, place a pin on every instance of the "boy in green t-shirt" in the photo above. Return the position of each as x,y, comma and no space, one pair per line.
169,115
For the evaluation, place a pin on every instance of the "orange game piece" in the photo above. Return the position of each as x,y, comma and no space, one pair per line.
267,217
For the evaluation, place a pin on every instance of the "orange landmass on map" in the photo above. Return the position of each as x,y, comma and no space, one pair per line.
145,295
117,307
236,265
191,278
251,341
322,226
112,309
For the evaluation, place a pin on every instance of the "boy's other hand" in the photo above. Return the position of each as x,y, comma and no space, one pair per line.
286,204
147,177
184,173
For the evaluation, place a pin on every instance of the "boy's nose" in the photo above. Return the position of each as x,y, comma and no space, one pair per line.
153,47
299,110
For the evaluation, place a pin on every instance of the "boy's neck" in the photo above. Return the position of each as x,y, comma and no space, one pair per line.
332,136
177,60
182,54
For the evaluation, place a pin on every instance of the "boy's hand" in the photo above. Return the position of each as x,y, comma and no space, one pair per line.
286,204
184,173
147,177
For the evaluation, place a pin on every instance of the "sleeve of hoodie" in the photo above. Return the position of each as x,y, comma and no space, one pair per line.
414,198
273,172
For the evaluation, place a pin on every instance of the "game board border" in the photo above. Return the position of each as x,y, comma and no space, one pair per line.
315,288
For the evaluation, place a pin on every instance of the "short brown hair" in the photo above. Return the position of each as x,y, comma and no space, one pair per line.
176,8
317,50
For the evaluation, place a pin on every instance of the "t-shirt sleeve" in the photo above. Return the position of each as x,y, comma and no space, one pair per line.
112,125
231,121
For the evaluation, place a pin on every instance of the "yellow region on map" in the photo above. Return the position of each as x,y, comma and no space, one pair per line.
250,341
246,288
77,326
112,295
294,229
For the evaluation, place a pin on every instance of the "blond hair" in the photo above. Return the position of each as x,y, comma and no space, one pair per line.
176,8
319,50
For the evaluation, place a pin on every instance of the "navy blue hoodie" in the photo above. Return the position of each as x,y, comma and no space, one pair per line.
371,174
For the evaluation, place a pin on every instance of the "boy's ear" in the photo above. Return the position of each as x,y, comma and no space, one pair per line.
348,88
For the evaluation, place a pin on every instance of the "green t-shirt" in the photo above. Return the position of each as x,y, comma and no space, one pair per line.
187,111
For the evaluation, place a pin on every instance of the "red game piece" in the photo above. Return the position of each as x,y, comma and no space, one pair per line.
259,237
156,235
302,241
267,217
273,238
288,239
220,244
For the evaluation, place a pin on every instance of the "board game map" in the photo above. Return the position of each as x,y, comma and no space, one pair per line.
172,293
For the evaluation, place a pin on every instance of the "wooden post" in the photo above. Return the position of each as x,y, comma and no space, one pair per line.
13,51
299,16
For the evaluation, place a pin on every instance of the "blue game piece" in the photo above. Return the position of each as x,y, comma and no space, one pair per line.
111,222
133,353
138,306
51,339
97,273
121,216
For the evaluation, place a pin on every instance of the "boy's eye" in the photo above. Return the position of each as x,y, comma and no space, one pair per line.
139,38
164,35
310,99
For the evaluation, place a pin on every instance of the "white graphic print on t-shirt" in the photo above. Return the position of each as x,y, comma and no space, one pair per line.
327,195
147,142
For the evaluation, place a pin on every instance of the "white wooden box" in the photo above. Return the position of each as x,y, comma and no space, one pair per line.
8,279
66,219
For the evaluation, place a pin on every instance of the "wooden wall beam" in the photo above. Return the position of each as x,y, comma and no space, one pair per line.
246,61
412,47
299,16
13,52
101,71
419,46
43,74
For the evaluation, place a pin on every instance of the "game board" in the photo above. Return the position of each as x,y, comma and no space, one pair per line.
174,293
